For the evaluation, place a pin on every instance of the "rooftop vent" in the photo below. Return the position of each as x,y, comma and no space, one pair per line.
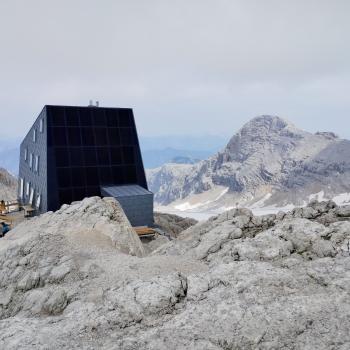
91,104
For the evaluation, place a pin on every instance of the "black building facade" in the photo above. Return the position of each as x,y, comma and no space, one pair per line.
71,152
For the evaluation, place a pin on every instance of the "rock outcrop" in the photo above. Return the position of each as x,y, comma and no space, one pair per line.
236,281
172,224
268,160
8,186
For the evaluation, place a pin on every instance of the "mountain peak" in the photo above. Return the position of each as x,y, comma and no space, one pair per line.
267,123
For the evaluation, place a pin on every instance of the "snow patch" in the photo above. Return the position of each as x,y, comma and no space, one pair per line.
188,206
318,196
260,203
341,199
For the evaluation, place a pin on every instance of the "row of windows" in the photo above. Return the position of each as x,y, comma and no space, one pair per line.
99,136
41,129
91,117
28,194
95,176
32,158
80,156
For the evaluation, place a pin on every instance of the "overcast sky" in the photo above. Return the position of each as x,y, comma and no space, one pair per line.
186,67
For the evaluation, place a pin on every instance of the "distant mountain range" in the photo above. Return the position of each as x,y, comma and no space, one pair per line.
269,162
156,151
160,150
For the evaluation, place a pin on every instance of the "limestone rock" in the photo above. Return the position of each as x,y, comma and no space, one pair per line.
235,281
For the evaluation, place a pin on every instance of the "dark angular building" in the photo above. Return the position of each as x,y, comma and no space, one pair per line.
72,152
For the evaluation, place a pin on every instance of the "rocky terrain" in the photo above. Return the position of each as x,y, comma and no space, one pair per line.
79,278
171,224
8,185
268,162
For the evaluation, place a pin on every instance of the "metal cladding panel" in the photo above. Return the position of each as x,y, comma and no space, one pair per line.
136,202
125,191
90,147
34,149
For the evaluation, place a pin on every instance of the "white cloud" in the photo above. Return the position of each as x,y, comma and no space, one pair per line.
185,66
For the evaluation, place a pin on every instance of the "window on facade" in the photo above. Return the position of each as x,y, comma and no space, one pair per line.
38,201
31,160
25,154
21,188
36,166
34,135
27,188
31,197
41,125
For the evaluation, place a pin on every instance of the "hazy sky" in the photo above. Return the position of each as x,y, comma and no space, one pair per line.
186,67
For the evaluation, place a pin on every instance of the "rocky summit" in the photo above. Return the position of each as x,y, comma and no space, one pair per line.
80,278
269,161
